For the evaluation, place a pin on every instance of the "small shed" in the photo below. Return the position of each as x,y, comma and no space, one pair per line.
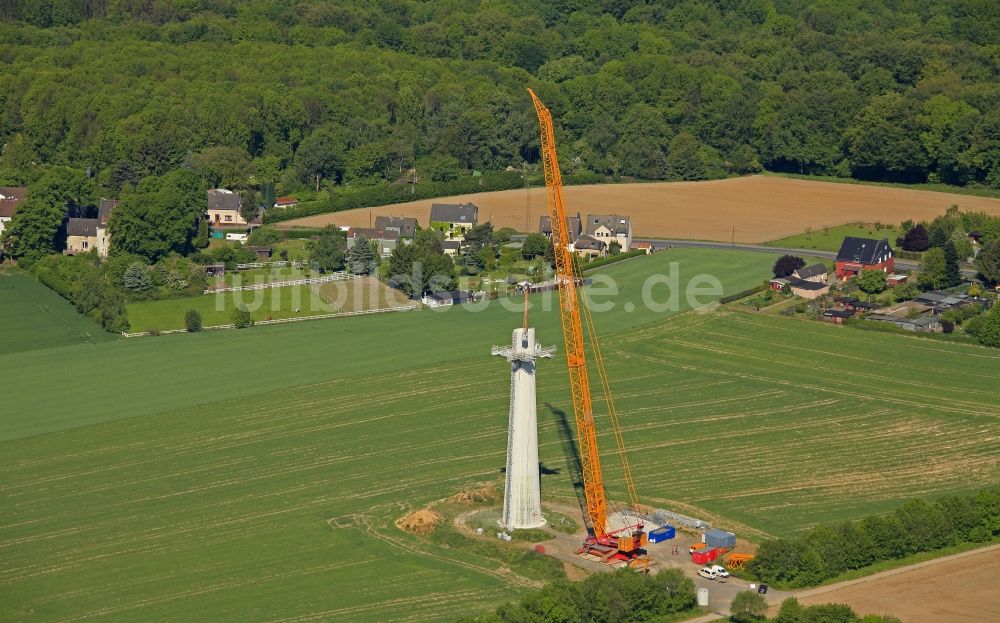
895,279
215,270
263,253
719,538
837,316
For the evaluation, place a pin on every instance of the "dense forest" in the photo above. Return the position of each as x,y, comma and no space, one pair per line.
341,95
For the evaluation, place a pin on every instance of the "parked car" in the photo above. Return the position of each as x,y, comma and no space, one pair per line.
707,572
720,571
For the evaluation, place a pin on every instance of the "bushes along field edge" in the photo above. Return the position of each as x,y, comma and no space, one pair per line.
828,550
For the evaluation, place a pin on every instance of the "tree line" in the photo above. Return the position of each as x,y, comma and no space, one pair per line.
622,596
286,96
828,550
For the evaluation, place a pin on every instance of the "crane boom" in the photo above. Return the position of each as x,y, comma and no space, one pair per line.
569,310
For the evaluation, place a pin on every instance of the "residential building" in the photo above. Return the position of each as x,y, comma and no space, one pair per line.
224,208
454,219
816,273
103,225
404,226
286,202
81,235
10,197
387,240
857,254
452,247
574,226
610,228
587,246
808,289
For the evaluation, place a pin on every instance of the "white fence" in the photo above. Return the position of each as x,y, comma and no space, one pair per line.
284,284
278,264
364,312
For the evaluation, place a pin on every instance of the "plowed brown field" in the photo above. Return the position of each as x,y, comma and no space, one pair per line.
760,208
957,590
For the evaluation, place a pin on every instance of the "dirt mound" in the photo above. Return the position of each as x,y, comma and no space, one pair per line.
484,493
422,521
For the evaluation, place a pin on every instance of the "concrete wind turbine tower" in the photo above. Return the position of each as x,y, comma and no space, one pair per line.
522,504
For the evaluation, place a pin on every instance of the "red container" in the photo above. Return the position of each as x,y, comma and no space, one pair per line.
713,554
700,557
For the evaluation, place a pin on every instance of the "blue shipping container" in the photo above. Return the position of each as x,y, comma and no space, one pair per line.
662,534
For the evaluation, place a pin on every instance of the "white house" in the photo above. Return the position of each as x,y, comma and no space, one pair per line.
610,228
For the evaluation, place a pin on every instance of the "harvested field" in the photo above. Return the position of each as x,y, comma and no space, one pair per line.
761,208
956,590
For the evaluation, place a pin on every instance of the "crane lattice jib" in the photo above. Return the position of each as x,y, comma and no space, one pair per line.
569,308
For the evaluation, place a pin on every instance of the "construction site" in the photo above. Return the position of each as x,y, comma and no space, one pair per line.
615,533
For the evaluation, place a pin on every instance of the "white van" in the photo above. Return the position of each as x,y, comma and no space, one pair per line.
240,238
720,571
707,572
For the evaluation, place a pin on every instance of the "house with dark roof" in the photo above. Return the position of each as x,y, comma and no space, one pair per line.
574,227
81,235
10,197
816,272
404,226
837,316
224,208
387,240
454,219
588,246
808,289
610,228
858,254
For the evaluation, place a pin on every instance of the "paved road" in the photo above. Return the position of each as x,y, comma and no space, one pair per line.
757,248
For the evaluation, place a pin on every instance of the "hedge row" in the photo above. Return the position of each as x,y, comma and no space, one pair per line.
387,194
917,526
743,294
611,259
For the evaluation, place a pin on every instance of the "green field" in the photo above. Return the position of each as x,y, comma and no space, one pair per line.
32,317
217,308
255,475
830,238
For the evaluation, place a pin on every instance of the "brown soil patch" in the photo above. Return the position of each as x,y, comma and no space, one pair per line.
761,208
422,521
475,495
956,590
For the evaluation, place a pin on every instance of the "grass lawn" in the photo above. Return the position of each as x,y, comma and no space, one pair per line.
34,317
256,474
217,308
296,249
830,238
